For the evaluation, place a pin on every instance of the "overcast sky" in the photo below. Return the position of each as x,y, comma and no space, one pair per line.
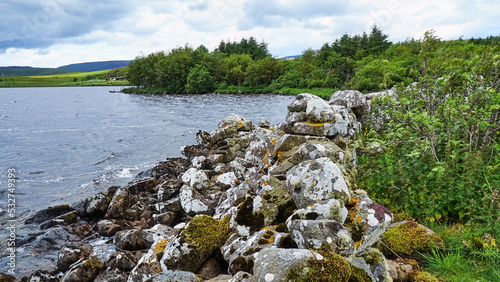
52,33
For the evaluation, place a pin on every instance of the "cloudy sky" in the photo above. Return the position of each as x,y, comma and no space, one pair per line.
52,33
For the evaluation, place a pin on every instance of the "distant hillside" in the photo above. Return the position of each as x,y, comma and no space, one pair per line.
29,71
95,66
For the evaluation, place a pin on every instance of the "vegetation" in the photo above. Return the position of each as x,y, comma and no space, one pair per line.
97,78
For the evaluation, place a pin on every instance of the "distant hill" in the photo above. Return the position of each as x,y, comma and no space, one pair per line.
29,71
95,66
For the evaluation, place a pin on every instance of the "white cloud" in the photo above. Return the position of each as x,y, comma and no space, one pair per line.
51,33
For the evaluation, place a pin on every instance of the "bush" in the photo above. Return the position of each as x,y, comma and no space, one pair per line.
200,81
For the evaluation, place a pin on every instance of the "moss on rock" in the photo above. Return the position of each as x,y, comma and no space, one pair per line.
331,267
359,275
206,234
408,238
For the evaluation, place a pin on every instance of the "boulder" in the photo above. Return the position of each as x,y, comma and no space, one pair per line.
409,239
142,185
130,240
113,275
118,204
195,244
319,111
124,261
240,252
227,180
316,180
175,276
322,234
157,233
301,101
293,117
196,179
149,264
168,189
193,202
236,121
351,99
327,209
85,271
48,213
71,254
62,220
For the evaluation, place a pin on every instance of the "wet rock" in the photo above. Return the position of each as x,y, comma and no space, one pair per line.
86,270
196,243
39,275
54,239
71,254
316,180
318,110
322,234
97,205
62,220
118,204
48,213
130,240
8,278
108,227
368,221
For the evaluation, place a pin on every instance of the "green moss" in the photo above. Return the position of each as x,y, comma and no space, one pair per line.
359,275
332,267
206,234
373,256
423,276
408,238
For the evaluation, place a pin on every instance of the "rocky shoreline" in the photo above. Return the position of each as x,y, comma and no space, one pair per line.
248,203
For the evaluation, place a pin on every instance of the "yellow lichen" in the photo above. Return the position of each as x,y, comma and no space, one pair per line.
160,247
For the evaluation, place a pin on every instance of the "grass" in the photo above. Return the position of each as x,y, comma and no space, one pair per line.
97,78
470,254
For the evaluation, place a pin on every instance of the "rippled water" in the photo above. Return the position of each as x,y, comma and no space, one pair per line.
69,143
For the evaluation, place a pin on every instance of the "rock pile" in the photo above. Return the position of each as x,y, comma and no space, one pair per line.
250,203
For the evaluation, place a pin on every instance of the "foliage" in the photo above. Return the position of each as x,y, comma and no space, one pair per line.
199,81
439,154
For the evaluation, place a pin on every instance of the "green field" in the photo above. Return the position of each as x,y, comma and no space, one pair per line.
97,78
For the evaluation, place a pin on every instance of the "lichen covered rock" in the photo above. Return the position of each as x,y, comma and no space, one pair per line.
316,180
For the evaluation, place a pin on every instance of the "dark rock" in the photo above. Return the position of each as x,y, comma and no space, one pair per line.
84,271
166,218
54,239
48,213
130,240
71,254
118,204
168,189
204,139
171,168
211,268
64,219
113,275
108,228
124,261
39,276
142,185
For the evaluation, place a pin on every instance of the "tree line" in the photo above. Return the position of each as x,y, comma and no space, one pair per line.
366,62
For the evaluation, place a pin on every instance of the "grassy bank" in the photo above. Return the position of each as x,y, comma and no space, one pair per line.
97,78
321,92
